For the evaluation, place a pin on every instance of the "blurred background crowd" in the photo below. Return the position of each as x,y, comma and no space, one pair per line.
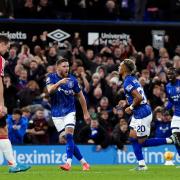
27,65
149,10
96,68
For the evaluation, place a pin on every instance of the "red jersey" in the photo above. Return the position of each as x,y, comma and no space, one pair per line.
2,63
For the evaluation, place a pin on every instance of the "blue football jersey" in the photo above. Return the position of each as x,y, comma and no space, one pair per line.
62,100
162,129
173,94
131,83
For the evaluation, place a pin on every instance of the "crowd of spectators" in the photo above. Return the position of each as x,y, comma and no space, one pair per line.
149,10
27,65
26,98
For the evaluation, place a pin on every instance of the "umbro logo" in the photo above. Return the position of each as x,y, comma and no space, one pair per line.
58,35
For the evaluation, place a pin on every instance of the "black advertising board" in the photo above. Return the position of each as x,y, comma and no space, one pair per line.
98,32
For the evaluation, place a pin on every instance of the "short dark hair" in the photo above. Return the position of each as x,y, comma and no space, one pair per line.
175,71
130,65
61,60
172,68
17,111
4,39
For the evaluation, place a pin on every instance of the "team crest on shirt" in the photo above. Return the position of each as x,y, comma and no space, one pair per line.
135,81
79,86
70,84
48,80
178,89
129,87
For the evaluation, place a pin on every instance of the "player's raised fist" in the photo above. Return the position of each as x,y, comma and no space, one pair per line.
64,80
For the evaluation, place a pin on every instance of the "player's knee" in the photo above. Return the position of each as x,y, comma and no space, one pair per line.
69,130
69,138
62,138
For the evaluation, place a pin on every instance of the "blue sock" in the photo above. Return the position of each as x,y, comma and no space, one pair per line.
137,149
178,149
154,142
77,153
69,146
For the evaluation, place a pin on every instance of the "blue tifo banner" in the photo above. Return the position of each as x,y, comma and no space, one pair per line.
55,155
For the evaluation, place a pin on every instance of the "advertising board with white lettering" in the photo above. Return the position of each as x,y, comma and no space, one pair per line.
54,155
158,35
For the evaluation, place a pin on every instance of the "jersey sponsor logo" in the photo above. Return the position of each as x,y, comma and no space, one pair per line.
129,87
164,129
66,92
176,97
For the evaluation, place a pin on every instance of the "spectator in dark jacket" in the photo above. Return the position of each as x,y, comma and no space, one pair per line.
30,94
156,97
10,92
94,134
120,134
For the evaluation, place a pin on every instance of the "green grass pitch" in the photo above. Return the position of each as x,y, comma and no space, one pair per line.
97,172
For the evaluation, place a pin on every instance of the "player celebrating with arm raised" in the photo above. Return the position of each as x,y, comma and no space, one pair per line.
141,113
173,94
62,88
5,144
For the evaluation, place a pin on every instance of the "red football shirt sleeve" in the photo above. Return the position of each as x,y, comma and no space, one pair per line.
2,61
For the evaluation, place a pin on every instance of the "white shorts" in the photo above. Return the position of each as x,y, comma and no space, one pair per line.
63,122
141,126
175,124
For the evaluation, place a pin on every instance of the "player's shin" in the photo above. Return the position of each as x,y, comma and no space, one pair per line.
138,151
77,153
69,148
